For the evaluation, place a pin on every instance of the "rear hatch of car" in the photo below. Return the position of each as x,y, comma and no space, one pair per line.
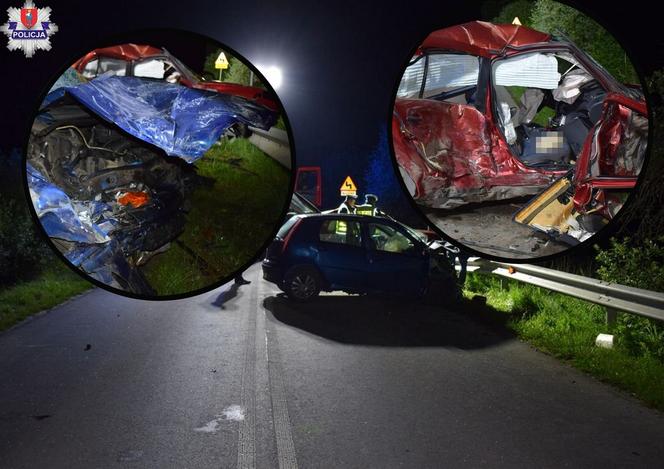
280,242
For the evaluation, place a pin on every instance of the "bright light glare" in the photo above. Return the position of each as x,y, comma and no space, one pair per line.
272,74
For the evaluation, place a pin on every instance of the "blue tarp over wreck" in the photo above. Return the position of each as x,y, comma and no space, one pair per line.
182,121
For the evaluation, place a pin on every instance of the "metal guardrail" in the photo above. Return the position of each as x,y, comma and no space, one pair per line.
613,296
274,142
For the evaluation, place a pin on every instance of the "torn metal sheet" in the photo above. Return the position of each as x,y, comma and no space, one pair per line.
57,213
453,162
82,232
106,199
182,121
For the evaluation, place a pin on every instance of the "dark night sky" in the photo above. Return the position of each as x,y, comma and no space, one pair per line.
340,60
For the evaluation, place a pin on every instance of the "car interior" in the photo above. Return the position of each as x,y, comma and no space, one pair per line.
340,232
385,238
545,103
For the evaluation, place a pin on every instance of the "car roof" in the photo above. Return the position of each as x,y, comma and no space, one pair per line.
482,38
125,51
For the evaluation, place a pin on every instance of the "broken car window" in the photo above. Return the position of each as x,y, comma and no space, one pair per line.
411,81
150,68
528,70
449,77
448,72
90,70
116,67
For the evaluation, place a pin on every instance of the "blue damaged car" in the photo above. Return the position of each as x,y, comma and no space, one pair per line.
357,254
109,168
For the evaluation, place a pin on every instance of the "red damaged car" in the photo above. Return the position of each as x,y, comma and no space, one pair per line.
489,112
151,62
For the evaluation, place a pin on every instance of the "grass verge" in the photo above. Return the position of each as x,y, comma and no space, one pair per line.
228,222
49,289
566,328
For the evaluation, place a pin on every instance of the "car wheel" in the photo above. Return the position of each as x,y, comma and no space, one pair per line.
302,283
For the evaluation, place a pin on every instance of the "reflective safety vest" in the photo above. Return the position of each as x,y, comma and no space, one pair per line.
365,209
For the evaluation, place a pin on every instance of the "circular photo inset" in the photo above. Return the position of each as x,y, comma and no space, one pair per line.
515,142
160,176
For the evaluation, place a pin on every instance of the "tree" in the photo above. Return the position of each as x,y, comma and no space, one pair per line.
519,8
643,217
551,17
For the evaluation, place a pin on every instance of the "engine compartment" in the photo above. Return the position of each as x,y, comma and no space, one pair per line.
131,192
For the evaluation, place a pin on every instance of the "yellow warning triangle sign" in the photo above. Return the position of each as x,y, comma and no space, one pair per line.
348,185
221,62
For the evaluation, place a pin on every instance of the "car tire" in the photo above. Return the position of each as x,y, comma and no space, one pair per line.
302,283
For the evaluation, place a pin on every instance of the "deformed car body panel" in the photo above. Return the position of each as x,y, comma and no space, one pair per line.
100,178
459,158
182,121
133,54
82,232
453,144
606,170
482,38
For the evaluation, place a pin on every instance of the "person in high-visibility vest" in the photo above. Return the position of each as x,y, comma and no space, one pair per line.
348,205
369,207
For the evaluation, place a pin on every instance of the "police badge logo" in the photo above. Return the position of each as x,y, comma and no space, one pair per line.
29,28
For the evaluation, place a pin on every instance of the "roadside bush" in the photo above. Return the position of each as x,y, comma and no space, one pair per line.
22,252
640,266
551,16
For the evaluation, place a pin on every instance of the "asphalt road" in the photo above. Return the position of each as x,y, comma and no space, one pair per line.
489,229
241,377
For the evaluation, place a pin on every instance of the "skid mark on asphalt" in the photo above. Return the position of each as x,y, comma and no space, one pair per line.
246,445
282,426
263,391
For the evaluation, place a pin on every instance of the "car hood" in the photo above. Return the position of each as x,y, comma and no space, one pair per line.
182,121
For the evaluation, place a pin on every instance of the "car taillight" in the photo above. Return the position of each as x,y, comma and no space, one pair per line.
290,234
